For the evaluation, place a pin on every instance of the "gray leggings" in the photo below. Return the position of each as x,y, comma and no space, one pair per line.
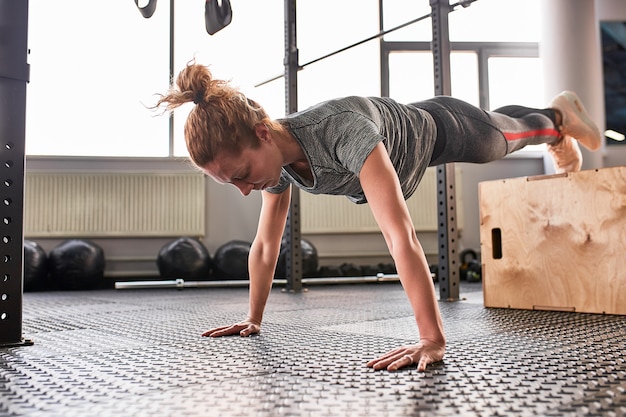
466,133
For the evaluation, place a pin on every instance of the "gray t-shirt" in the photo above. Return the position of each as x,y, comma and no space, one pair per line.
338,135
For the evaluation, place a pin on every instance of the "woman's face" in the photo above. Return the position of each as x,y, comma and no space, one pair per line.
252,169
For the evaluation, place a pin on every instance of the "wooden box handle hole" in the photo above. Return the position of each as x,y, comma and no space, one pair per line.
496,243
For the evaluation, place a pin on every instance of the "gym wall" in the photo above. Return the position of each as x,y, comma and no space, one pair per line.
229,216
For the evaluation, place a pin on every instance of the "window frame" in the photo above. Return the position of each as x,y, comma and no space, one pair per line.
483,51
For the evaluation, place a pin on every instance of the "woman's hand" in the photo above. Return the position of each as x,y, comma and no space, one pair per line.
243,328
261,263
422,354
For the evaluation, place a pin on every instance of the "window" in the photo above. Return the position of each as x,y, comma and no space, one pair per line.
411,76
96,66
521,78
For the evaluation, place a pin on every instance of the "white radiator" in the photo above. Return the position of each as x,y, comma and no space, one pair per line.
114,204
321,214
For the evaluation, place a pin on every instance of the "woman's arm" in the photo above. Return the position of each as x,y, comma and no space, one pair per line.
261,263
384,195
265,249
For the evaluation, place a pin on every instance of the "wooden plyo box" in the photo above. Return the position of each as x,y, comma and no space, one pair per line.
555,242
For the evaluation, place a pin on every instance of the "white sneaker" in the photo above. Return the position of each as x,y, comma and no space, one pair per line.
566,155
575,121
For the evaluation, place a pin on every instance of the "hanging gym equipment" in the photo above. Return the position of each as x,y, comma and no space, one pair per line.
217,13
148,10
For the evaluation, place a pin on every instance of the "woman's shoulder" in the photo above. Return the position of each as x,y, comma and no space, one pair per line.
360,102
338,107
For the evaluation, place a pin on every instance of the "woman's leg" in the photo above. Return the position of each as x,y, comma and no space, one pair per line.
469,134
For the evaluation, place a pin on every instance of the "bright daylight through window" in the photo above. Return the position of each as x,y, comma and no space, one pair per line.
96,67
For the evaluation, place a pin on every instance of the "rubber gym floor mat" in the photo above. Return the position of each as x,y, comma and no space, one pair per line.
139,353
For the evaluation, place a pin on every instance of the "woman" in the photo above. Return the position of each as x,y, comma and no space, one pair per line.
371,150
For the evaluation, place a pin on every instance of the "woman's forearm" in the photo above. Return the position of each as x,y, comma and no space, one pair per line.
261,266
265,249
415,276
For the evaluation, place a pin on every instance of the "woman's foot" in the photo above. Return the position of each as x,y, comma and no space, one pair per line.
575,122
566,155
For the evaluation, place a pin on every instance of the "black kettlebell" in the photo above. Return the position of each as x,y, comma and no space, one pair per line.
471,269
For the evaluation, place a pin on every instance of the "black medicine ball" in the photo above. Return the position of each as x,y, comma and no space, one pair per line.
35,267
185,258
77,265
231,260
